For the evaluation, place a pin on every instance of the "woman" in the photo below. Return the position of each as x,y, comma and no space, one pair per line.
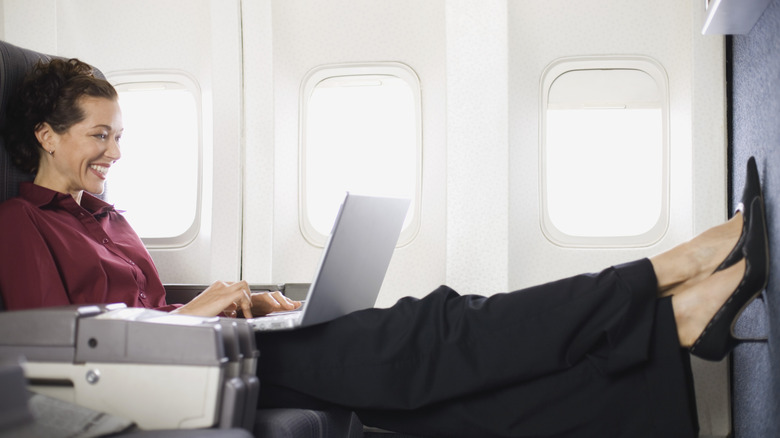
83,250
588,355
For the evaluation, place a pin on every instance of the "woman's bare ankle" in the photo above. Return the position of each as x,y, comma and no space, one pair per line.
695,306
674,267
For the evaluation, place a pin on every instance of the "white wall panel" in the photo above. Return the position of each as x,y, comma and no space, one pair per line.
477,147
257,248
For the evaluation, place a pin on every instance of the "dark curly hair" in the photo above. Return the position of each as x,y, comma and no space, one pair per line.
50,93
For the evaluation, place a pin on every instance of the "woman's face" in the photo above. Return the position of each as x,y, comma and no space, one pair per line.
84,153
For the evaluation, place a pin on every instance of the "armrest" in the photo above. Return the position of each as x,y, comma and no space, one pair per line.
25,414
182,293
135,363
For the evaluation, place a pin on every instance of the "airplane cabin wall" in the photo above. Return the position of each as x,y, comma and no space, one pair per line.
755,107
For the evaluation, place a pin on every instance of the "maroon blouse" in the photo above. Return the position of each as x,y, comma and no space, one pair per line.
54,251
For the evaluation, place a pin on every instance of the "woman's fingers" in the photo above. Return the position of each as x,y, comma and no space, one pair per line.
266,302
219,298
246,302
233,295
238,295
284,302
231,311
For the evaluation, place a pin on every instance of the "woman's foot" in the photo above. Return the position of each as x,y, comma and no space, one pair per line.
723,296
691,262
717,339
695,306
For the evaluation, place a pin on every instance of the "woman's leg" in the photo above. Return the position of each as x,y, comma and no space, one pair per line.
655,399
445,346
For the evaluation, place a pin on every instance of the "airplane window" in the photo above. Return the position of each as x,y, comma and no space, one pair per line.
157,181
605,153
361,132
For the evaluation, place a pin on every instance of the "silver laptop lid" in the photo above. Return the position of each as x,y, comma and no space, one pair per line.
355,258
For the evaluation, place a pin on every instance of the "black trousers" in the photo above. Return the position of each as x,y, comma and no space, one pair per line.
591,355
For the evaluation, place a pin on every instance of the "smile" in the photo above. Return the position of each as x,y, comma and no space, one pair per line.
100,170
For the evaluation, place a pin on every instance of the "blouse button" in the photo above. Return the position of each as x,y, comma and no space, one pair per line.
105,240
143,295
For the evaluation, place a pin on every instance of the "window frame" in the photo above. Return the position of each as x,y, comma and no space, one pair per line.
550,74
140,79
309,83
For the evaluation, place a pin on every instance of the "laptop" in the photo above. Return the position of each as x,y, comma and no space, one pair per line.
352,266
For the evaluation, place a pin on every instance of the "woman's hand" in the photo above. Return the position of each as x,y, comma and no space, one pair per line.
220,297
264,303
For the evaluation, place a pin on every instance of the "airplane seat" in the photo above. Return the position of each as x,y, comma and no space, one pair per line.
216,356
15,62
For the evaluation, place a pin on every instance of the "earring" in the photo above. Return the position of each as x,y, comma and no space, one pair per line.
51,152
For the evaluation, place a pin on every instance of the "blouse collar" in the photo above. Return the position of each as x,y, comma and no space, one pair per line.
41,197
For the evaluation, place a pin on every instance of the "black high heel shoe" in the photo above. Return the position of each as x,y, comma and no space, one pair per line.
717,340
751,191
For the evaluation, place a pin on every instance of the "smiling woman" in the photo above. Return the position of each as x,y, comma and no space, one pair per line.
70,247
44,122
78,159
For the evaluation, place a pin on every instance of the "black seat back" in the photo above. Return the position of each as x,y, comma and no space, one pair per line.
15,62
